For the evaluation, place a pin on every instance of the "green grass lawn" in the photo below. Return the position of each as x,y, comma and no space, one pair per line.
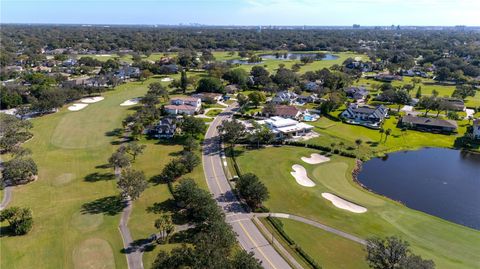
330,251
156,199
127,58
428,86
448,244
336,131
73,201
272,64
213,112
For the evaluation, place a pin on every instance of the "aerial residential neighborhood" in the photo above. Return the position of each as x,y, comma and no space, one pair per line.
239,134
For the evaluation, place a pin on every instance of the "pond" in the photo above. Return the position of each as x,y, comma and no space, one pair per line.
287,56
239,61
298,55
441,182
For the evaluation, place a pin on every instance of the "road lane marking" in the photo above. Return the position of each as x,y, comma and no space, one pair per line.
215,175
255,245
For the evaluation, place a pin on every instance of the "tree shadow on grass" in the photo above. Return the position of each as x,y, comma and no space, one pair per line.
142,245
169,207
94,177
237,152
6,231
372,144
110,205
162,207
177,140
114,132
158,179
104,166
176,153
185,236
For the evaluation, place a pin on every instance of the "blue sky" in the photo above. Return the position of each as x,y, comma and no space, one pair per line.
243,12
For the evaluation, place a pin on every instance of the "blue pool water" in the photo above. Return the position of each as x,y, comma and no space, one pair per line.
307,118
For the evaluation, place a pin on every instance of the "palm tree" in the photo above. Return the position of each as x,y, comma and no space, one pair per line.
387,133
165,227
333,145
358,142
382,131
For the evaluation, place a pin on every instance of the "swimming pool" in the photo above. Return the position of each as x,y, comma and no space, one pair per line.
307,118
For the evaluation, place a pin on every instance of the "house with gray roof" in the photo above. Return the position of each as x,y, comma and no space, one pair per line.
433,125
165,128
285,97
357,93
368,116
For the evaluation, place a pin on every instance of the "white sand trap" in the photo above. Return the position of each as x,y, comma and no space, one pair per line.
91,100
77,107
343,204
300,175
166,79
130,102
358,59
315,158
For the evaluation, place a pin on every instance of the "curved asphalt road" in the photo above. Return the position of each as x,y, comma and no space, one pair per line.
7,192
7,197
250,238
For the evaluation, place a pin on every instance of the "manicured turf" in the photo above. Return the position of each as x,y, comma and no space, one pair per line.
127,58
156,199
93,253
74,199
448,244
331,251
272,64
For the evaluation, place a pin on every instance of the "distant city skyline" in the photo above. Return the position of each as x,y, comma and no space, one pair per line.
244,12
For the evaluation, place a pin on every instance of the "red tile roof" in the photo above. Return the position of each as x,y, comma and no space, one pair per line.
284,110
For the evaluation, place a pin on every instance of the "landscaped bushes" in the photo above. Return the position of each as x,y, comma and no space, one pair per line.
322,148
279,227
307,258
19,170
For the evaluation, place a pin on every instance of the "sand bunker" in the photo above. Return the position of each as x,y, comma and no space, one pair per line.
77,107
300,175
166,79
343,204
130,102
315,158
91,100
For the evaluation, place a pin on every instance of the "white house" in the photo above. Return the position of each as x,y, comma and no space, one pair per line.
183,105
208,96
285,97
284,128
